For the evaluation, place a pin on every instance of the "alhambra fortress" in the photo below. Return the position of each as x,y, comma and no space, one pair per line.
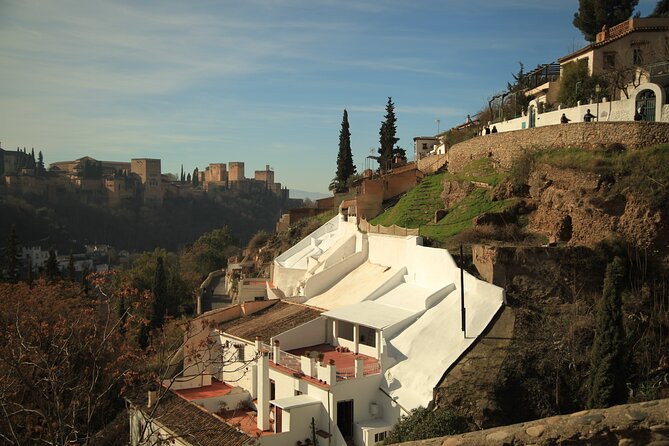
114,182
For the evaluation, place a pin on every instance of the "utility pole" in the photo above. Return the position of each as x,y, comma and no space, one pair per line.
438,121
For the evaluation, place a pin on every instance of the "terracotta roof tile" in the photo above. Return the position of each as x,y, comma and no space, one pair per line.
271,321
190,422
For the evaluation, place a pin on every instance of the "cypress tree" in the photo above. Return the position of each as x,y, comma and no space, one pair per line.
607,367
2,161
195,177
85,288
387,136
188,179
30,272
12,257
159,294
182,177
52,271
40,170
70,268
592,15
345,167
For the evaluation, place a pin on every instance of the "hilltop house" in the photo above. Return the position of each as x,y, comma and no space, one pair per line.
370,325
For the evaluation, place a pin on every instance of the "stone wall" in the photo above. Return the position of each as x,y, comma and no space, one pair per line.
627,425
505,147
432,163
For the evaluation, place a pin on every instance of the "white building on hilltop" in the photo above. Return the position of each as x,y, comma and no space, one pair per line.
370,325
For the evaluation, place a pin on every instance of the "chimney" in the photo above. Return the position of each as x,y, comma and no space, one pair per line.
258,344
263,392
276,352
152,398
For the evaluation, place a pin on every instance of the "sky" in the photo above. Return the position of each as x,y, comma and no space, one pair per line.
264,82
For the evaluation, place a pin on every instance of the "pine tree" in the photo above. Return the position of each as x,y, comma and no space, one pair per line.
345,167
592,15
12,257
387,137
607,367
159,294
661,9
52,271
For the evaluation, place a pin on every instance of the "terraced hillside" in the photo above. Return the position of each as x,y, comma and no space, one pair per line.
416,209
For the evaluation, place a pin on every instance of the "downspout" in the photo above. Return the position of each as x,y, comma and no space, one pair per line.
329,421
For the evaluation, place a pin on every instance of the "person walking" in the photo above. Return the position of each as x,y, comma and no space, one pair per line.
588,116
564,119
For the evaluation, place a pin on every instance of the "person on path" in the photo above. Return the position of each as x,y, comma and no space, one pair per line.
588,116
564,119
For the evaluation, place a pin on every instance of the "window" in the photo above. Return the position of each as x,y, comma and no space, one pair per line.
367,336
272,389
637,56
609,60
379,437
297,392
345,330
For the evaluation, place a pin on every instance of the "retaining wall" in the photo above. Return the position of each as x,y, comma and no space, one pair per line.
505,147
627,425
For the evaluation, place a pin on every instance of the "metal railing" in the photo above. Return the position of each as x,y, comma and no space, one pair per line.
349,372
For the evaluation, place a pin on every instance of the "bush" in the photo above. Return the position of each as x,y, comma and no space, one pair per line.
422,423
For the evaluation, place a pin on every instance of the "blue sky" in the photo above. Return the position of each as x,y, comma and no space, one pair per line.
259,81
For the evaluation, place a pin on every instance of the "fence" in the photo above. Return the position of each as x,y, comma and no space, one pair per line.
369,228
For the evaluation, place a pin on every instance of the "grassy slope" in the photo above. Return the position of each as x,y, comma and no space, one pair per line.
643,172
416,209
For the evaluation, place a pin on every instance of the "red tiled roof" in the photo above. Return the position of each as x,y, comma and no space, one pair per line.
271,321
191,423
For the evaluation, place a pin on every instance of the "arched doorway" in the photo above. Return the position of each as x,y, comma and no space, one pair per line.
645,101
533,116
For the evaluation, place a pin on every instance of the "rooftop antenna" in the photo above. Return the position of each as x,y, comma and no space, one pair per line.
438,121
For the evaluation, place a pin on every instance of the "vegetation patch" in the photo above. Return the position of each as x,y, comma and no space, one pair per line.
460,216
417,207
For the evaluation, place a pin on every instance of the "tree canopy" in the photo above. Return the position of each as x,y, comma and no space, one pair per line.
592,15
577,85
62,369
661,9
211,251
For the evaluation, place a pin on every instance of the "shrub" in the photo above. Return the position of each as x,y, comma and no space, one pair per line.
422,423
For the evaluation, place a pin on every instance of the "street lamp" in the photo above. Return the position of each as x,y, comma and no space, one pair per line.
598,90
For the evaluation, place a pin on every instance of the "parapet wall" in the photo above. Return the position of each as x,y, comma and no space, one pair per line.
505,147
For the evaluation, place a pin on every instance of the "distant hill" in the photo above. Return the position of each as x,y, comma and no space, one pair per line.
302,194
68,223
